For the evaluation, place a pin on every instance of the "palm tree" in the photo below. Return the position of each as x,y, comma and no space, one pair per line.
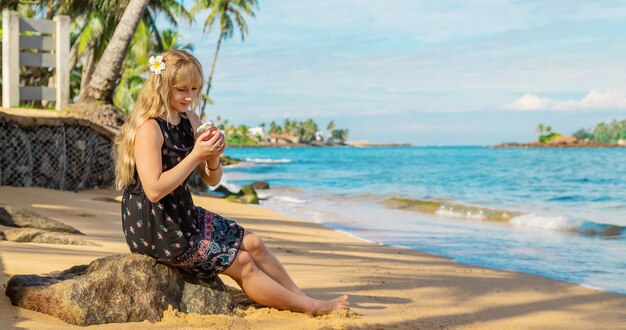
308,129
94,24
274,128
90,45
114,18
541,128
229,13
169,40
340,135
329,129
290,126
136,60
331,125
107,71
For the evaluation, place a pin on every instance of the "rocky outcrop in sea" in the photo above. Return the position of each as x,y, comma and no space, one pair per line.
560,142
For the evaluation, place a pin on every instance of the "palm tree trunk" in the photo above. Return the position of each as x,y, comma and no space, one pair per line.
88,69
208,85
107,72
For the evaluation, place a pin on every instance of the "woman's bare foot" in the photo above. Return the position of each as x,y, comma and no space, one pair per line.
323,307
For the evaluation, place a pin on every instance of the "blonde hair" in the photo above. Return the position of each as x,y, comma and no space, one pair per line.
182,70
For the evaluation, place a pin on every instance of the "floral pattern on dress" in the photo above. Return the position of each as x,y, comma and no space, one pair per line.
173,230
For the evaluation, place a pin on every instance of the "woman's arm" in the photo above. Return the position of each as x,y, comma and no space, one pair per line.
156,183
212,178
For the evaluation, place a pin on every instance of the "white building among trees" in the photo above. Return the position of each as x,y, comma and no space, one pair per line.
256,131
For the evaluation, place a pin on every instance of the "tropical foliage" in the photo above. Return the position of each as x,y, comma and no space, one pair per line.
93,25
545,133
304,132
230,15
604,132
543,129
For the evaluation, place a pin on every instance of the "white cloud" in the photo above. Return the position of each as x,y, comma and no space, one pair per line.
595,99
530,102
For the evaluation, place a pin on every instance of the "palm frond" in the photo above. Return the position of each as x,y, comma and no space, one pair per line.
92,32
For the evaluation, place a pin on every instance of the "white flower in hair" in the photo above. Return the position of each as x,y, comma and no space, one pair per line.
156,64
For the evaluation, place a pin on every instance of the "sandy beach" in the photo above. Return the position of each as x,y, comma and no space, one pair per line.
389,288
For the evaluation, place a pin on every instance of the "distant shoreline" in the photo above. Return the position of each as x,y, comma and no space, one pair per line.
357,144
536,145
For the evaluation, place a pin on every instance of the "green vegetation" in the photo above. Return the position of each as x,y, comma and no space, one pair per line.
229,15
548,137
91,31
238,135
545,133
604,133
96,25
292,131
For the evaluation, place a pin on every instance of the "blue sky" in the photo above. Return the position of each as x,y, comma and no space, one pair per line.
424,72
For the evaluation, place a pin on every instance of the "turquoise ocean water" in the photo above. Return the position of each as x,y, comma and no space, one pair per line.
558,213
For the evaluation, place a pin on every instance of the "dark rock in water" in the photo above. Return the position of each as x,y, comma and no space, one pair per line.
260,185
25,235
247,195
17,217
248,199
225,160
120,288
223,190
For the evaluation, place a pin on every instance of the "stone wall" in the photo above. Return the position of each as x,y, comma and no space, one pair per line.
54,151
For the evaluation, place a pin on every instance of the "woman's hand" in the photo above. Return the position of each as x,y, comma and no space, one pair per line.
209,145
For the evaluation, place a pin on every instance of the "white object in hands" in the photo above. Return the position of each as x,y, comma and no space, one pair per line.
204,127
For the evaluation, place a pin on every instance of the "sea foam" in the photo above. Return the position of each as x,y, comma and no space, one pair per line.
547,222
288,199
268,160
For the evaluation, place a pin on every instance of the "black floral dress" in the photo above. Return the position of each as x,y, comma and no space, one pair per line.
174,230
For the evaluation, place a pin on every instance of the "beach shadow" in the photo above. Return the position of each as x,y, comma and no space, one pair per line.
500,313
7,320
467,289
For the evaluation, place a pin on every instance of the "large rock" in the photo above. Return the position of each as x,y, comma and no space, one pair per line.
18,217
247,195
226,160
30,235
120,288
260,185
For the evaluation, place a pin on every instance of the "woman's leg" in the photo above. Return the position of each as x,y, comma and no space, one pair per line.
265,291
267,261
